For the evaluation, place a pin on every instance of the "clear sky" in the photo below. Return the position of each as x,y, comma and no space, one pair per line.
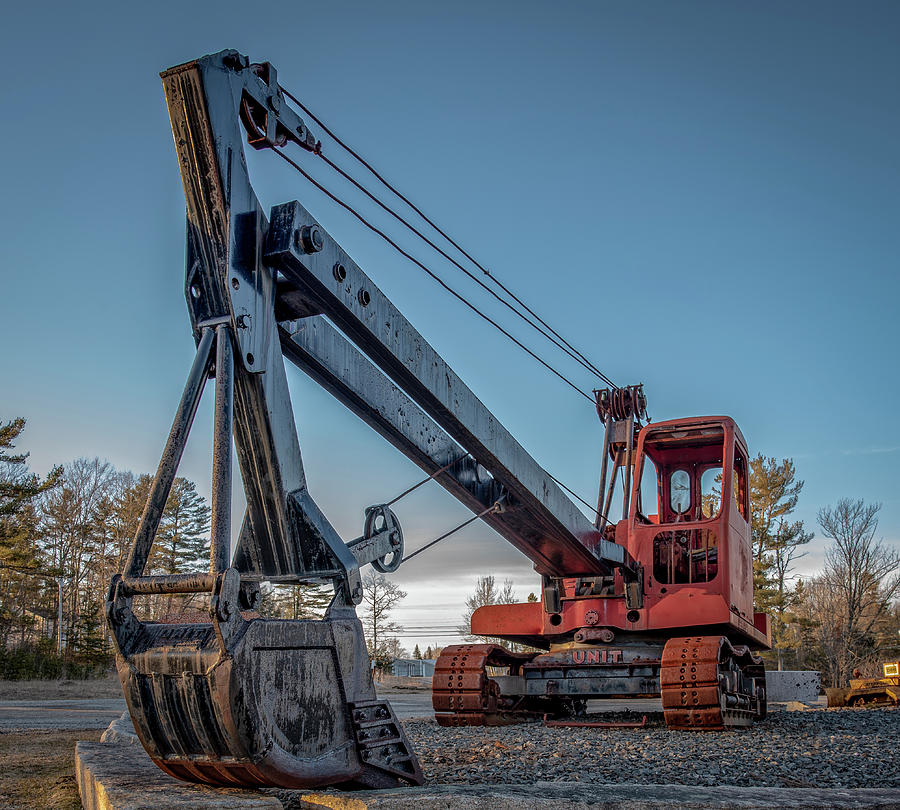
702,196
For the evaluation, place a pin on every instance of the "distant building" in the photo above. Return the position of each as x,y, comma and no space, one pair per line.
412,668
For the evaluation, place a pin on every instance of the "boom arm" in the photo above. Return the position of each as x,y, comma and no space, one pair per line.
242,699
275,281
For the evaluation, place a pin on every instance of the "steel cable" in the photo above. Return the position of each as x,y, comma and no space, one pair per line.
569,348
495,507
430,272
469,273
435,474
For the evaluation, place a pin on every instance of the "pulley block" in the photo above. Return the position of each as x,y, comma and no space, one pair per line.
621,403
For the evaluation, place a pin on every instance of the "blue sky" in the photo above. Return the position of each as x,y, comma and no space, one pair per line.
700,195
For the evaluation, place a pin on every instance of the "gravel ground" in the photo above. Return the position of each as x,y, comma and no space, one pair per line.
814,748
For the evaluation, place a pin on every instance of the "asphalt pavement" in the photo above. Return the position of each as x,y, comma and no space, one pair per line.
42,715
25,715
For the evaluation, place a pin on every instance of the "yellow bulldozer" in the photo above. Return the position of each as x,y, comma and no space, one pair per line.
869,691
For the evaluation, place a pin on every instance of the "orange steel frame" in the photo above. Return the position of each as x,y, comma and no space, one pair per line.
724,604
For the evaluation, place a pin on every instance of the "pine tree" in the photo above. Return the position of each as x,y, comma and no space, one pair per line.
20,554
19,491
417,653
182,542
303,601
776,540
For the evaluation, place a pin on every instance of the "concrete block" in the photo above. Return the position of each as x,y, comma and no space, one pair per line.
787,685
574,796
112,776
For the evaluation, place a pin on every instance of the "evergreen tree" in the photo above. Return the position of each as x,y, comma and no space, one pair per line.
182,542
19,491
776,541
417,653
21,589
303,601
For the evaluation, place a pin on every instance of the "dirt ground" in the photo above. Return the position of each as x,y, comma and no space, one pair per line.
37,769
107,687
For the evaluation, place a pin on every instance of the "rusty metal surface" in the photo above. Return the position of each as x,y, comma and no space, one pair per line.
545,524
238,701
708,684
463,694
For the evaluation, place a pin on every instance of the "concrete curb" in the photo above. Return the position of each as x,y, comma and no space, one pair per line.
111,776
574,796
117,776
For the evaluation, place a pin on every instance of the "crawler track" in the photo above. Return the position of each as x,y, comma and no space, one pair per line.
706,683
463,694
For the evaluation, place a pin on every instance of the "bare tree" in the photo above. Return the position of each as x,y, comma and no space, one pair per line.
380,597
71,514
487,593
854,594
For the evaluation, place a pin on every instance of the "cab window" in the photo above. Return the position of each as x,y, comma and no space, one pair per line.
710,492
740,486
648,492
680,491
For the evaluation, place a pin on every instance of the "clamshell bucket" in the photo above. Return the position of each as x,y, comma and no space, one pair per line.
252,701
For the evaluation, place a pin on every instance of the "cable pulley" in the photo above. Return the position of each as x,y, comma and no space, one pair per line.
381,519
620,403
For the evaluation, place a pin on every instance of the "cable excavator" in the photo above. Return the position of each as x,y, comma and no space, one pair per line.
659,602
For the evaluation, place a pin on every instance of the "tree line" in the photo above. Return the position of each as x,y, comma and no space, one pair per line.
61,540
63,536
847,616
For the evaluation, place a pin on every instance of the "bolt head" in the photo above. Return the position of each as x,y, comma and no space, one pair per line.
309,239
